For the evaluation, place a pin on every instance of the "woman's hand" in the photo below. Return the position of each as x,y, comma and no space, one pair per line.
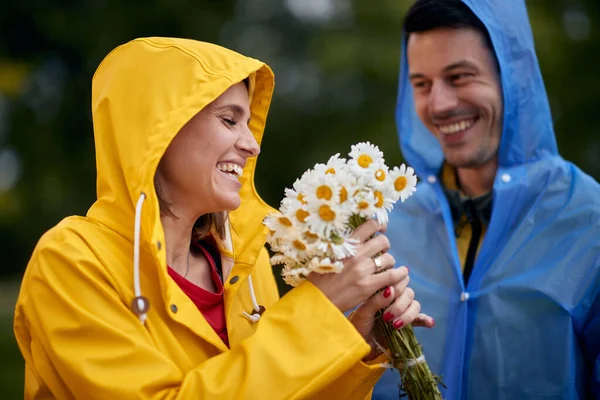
358,280
400,309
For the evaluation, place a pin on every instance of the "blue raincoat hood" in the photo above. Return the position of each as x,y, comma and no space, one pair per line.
527,325
528,134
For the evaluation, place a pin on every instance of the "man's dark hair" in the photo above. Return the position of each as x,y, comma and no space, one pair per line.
426,15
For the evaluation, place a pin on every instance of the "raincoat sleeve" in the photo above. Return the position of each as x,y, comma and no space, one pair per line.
357,383
71,321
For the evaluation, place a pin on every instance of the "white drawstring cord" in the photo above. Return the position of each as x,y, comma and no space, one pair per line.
136,258
384,351
252,317
141,305
414,361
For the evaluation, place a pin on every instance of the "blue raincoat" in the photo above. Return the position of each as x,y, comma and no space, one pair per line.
528,323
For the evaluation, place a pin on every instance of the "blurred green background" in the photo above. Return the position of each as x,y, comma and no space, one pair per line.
336,66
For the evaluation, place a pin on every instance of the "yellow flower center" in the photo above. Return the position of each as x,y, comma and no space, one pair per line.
301,198
380,175
363,205
324,192
364,160
343,195
299,245
310,236
301,215
379,197
326,213
285,222
400,183
330,171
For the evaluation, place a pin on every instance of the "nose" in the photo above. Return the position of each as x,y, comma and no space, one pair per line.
248,144
442,99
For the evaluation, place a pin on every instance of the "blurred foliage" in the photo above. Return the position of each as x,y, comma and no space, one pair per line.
336,65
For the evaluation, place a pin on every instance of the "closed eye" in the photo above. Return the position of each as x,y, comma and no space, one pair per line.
461,78
420,84
229,121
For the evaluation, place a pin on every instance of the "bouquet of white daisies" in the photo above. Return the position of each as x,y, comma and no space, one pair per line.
311,234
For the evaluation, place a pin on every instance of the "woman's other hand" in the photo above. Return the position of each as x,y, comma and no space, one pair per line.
400,309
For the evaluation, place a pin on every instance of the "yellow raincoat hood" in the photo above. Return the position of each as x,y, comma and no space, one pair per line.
73,320
142,95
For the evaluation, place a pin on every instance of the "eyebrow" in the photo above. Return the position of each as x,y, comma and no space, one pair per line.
460,64
235,108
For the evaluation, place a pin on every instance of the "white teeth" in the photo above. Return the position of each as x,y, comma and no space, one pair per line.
456,127
236,169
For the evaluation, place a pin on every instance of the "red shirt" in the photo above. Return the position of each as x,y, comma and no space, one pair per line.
211,305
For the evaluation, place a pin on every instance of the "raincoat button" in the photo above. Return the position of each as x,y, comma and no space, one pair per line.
158,245
505,178
431,179
464,296
234,279
173,308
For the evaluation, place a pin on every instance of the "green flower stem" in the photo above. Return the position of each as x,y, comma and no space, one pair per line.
418,382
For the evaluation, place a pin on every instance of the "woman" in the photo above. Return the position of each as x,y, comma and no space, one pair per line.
177,127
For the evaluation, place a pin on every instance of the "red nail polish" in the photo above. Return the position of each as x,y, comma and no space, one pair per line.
388,316
407,269
387,292
398,324
432,322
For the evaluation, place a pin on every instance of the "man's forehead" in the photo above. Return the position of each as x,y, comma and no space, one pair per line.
443,47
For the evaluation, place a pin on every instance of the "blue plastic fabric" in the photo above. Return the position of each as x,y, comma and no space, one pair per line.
528,324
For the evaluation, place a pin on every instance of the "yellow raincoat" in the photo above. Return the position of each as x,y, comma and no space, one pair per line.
74,321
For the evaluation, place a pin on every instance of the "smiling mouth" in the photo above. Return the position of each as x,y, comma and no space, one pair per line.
232,171
457,127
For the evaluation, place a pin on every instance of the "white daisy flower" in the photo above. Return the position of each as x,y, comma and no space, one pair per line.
339,249
276,242
293,199
378,177
364,203
310,237
279,224
326,218
293,280
280,259
321,187
404,182
383,205
295,211
364,158
307,176
335,166
299,249
295,276
325,266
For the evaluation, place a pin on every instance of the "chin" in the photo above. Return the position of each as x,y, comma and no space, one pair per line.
455,157
230,204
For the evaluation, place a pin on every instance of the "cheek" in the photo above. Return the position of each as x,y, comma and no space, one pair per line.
421,106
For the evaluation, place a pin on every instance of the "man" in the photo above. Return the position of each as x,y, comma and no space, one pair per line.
503,236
